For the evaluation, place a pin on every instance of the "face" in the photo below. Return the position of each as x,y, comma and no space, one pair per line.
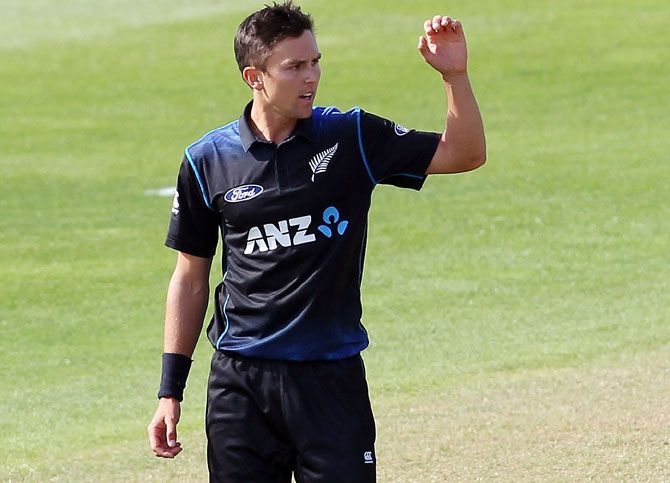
291,76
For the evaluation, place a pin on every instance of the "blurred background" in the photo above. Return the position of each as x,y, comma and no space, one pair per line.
519,315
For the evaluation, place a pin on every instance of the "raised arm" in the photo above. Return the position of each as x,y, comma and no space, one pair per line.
187,298
462,146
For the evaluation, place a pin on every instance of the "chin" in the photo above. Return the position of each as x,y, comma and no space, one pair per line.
305,113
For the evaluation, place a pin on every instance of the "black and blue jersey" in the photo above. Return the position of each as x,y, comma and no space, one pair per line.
293,220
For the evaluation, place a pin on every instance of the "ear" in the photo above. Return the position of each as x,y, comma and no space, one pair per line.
253,77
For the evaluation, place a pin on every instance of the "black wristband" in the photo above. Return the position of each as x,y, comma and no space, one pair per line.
173,376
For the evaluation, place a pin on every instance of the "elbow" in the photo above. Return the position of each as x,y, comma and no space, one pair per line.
474,156
473,162
191,286
479,160
448,161
478,157
198,288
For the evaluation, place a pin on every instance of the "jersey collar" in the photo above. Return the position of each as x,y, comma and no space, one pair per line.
302,128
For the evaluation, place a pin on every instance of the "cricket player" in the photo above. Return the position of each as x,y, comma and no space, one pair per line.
287,187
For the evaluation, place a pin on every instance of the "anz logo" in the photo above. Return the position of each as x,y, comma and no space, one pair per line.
293,231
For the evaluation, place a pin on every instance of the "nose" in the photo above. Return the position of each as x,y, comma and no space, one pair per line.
313,74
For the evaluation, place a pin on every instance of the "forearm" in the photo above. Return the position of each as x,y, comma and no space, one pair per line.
184,313
464,132
462,146
185,308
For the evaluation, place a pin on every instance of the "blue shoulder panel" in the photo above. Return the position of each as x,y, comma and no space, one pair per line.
201,146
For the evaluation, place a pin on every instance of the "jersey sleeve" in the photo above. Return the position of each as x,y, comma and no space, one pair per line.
394,154
193,225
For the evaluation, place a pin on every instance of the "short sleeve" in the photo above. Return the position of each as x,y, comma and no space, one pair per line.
193,225
394,154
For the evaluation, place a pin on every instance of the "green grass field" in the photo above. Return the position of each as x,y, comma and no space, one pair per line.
519,315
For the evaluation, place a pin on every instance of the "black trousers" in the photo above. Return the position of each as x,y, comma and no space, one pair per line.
269,420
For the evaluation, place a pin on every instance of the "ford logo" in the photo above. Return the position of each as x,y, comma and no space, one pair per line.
243,193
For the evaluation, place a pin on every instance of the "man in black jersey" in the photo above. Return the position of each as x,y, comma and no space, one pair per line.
288,186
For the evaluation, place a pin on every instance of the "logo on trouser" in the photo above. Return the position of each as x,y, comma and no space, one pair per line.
368,458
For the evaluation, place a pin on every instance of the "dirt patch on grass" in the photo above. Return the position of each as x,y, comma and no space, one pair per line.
609,421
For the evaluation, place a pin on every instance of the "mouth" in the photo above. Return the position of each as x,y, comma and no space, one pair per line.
308,96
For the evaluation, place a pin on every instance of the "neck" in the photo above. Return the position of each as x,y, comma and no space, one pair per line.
270,125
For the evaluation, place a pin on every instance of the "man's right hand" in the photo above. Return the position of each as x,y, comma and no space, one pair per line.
163,428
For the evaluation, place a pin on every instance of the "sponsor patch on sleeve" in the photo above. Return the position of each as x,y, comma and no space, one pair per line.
175,203
400,130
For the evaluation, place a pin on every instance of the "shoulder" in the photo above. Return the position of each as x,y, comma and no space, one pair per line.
332,118
356,117
214,141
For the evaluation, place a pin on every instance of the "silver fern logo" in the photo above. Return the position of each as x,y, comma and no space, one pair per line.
319,163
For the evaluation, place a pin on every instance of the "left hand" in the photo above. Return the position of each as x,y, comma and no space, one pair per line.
443,46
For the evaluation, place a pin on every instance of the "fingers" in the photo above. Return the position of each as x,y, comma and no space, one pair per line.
428,27
159,440
162,433
441,23
155,439
168,452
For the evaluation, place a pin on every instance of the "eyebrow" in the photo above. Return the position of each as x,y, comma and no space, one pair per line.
300,61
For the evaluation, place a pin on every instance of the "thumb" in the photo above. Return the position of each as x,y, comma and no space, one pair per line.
423,46
171,432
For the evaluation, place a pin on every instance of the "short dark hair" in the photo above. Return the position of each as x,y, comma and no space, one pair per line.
260,31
